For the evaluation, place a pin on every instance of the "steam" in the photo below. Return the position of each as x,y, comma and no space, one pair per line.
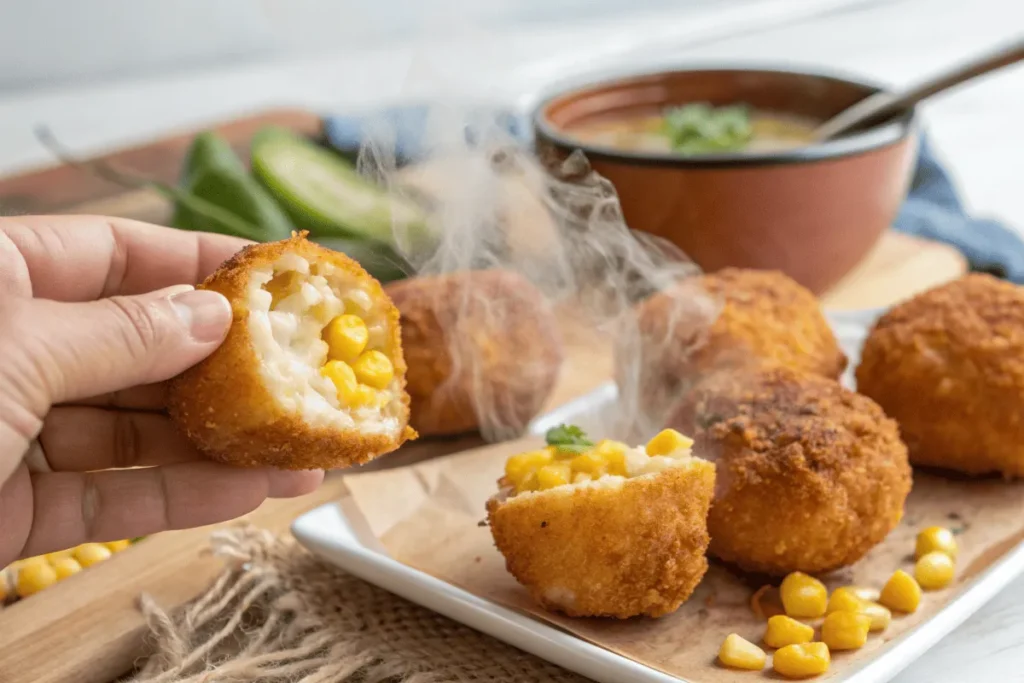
557,224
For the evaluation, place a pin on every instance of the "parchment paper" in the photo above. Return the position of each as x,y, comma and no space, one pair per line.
429,516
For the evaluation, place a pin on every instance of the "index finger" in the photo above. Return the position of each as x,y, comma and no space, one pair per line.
83,258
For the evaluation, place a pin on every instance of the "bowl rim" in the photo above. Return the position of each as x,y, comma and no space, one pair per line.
876,137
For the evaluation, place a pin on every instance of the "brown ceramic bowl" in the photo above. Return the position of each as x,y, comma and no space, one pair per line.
813,212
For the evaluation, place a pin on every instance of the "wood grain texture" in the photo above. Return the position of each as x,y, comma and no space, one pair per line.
89,630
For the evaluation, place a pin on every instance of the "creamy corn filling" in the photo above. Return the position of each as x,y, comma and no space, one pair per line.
606,463
323,345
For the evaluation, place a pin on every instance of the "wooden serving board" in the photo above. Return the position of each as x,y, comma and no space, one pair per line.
88,629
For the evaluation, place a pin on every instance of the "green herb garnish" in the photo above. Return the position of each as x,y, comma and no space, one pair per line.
700,128
569,439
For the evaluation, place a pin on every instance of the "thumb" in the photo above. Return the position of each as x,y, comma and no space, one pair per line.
88,349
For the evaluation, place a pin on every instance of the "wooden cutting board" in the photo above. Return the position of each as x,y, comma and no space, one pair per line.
88,629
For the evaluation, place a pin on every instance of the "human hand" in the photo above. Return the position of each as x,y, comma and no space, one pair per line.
95,315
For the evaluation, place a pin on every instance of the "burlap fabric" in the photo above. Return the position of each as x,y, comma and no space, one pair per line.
280,614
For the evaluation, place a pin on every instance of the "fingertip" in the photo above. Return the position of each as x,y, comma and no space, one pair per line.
292,483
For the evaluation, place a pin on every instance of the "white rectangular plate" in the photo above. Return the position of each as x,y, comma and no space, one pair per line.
337,537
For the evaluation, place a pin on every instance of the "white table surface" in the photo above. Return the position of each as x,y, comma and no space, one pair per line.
979,129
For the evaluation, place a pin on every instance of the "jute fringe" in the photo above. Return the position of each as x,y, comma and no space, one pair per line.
281,615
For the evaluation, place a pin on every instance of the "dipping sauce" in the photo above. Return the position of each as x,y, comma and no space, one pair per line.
699,128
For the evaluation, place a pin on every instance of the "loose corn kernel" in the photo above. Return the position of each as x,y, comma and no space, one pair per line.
864,593
117,546
934,570
844,598
880,616
844,630
901,592
520,467
935,539
33,578
668,441
89,554
6,581
373,368
802,660
550,476
65,567
346,337
741,654
803,596
54,556
783,631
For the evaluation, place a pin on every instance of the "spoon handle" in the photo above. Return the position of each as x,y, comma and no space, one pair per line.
876,107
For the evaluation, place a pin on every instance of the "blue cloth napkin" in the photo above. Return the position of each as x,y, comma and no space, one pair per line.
933,208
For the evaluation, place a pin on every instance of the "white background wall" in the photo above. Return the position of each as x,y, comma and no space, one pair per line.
51,43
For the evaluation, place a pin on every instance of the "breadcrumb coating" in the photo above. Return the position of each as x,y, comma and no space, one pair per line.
483,349
948,365
225,407
633,548
810,475
728,319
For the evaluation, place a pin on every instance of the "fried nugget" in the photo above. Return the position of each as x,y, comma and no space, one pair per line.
311,374
810,475
948,365
483,348
727,319
613,531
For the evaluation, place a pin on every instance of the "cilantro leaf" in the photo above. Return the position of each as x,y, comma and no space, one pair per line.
568,438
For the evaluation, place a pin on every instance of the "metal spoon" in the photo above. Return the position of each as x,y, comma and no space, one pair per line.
876,108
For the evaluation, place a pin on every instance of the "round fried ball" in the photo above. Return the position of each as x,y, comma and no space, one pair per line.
948,365
810,475
483,349
263,398
727,319
622,548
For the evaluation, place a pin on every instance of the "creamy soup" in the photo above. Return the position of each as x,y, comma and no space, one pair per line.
699,129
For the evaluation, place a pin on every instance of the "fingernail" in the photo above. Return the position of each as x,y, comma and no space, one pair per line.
206,314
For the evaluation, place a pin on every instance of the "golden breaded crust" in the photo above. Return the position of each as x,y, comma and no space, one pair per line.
948,365
810,475
762,316
226,410
618,552
501,332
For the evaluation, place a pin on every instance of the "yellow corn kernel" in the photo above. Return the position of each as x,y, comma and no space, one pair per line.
89,554
343,377
934,570
864,593
374,369
667,441
6,583
591,463
34,577
935,539
880,616
65,567
844,630
901,592
844,598
550,476
520,466
282,285
117,546
346,337
54,556
783,631
803,596
802,660
738,653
